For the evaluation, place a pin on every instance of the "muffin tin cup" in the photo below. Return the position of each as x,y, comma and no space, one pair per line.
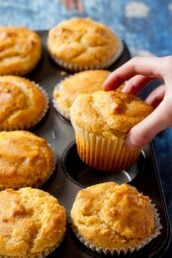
122,251
108,155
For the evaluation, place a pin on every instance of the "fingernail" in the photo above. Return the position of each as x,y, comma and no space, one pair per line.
125,89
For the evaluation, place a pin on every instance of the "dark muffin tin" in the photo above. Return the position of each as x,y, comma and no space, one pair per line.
71,174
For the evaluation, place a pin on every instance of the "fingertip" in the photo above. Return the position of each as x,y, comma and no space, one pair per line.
125,88
131,144
112,82
137,138
108,84
106,87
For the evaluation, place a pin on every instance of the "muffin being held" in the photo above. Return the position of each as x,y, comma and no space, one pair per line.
26,160
80,44
101,121
83,82
32,223
20,50
112,218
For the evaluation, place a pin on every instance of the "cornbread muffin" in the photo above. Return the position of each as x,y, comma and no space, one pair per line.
81,44
82,82
20,50
23,103
101,121
32,223
113,218
26,160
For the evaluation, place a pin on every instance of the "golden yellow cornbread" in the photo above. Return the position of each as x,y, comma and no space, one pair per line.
82,43
113,217
20,50
32,223
22,103
83,82
101,121
26,160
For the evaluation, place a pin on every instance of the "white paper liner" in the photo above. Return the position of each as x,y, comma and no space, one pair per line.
78,68
102,153
122,251
55,104
34,123
46,106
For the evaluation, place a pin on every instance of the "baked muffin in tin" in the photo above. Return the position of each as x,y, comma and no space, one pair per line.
23,103
32,223
26,159
79,44
20,50
114,219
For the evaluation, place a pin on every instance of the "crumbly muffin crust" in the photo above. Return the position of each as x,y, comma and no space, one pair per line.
111,216
26,159
22,103
20,50
82,82
32,223
108,113
83,43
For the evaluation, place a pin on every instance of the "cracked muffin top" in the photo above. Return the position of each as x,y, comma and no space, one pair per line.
108,113
20,50
81,43
32,223
111,216
23,104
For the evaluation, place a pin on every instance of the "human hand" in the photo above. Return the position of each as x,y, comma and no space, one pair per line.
77,4
136,74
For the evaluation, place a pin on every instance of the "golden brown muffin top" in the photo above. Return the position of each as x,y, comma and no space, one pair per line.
31,221
20,50
109,113
26,159
82,82
113,216
22,103
83,42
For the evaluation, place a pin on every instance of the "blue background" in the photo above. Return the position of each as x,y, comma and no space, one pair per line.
145,26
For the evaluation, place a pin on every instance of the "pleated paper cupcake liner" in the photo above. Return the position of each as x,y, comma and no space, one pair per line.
57,107
102,153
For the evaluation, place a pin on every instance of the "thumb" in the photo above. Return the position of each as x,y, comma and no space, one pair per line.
142,133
